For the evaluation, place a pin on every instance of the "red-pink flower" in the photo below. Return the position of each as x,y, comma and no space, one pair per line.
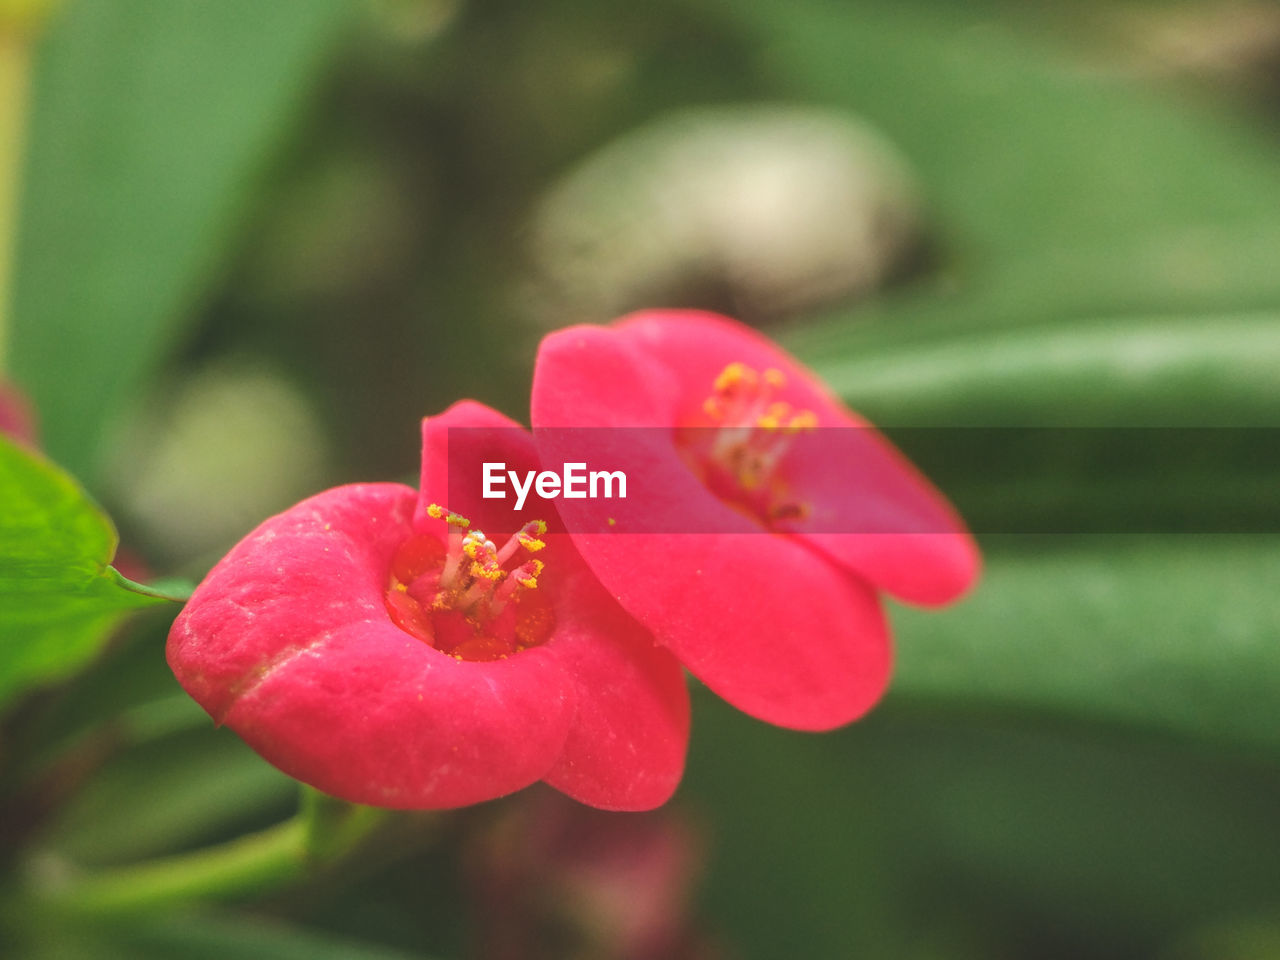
578,882
803,511
369,643
17,419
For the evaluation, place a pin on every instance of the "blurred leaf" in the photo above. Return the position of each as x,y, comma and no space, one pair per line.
1175,634
1133,423
1214,370
209,939
198,785
151,120
1060,186
997,839
200,937
59,599
1254,938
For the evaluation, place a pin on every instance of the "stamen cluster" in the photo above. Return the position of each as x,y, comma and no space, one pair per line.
740,457
462,597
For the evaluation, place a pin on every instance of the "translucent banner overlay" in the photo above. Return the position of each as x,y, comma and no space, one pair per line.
1034,480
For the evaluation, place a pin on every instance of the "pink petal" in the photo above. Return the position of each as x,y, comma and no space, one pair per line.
17,417
766,623
595,379
455,444
376,716
299,576
289,643
626,747
873,513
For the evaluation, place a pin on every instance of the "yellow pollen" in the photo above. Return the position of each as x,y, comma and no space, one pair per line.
744,456
803,421
448,516
734,374
532,544
487,571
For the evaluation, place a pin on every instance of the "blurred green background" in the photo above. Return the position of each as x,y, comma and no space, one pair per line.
256,242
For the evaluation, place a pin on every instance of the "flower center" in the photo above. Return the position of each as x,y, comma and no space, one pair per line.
738,453
466,597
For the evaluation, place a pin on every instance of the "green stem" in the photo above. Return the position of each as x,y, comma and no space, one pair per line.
323,831
179,591
247,864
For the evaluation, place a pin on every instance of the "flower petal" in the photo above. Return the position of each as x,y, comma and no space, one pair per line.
374,715
304,573
872,512
592,390
289,643
766,623
626,747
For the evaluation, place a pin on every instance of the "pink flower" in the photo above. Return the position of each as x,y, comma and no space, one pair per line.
381,648
802,511
578,882
17,419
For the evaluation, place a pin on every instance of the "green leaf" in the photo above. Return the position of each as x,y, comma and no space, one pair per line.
59,599
200,785
196,936
1078,397
150,123
1170,634
202,938
914,827
1209,370
1055,186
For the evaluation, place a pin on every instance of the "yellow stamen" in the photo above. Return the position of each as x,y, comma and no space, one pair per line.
735,374
755,432
448,516
486,571
530,580
803,421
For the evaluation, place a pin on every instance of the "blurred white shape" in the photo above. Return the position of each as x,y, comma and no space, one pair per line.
235,444
765,210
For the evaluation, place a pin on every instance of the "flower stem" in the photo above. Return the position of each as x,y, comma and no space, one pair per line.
323,831
245,865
